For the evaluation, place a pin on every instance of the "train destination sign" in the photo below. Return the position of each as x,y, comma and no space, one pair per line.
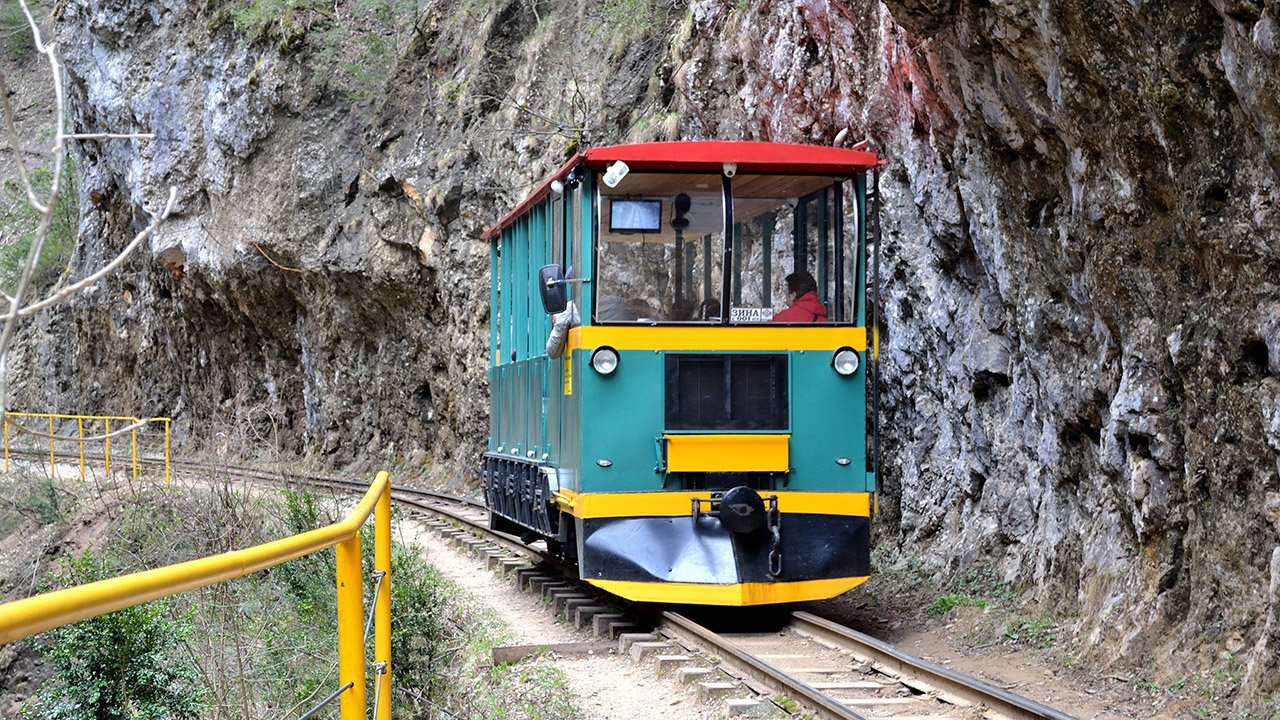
750,314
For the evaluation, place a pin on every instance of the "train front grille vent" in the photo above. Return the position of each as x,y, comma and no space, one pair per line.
726,392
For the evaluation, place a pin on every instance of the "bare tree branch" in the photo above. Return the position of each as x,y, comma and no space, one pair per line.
111,136
93,279
46,208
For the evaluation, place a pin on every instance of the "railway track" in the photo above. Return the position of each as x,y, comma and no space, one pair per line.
806,664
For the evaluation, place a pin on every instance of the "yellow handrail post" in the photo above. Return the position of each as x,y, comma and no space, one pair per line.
135,450
166,452
80,426
6,443
53,466
107,454
382,610
351,628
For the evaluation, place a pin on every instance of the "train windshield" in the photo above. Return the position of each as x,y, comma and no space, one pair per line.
661,256
661,249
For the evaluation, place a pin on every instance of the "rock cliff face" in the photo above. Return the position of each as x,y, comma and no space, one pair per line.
1083,316
1080,256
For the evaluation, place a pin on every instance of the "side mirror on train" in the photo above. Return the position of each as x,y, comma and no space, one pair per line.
551,287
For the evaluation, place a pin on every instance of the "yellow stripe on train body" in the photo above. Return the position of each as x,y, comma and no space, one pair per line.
717,337
718,452
675,504
737,594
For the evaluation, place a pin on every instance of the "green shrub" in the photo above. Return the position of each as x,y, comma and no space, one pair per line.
309,580
124,665
1036,633
41,501
21,222
15,33
27,497
422,636
945,604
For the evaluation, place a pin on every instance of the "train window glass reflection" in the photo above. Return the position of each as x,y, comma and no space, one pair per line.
783,224
670,271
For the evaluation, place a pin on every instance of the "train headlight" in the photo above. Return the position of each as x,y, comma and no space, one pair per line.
845,361
604,360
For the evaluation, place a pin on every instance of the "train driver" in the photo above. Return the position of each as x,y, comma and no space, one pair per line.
802,296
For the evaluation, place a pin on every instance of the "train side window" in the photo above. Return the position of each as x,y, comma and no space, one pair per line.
557,230
781,224
819,238
851,203
573,244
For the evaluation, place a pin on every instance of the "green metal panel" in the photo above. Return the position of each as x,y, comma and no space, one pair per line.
494,310
517,292
495,410
506,297
514,399
540,240
555,403
528,404
622,415
495,282
509,294
515,296
500,389
541,368
828,421
570,451
523,323
540,328
498,408
513,415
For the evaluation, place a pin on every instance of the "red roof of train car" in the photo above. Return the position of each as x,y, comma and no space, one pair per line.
705,156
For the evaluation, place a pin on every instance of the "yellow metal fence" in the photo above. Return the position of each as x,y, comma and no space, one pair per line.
26,617
89,429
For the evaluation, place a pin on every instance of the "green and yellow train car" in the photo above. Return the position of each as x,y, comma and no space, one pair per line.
651,419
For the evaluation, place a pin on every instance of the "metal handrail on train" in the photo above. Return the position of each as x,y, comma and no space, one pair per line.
26,617
133,423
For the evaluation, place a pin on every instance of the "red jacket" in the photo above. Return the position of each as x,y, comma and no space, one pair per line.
806,308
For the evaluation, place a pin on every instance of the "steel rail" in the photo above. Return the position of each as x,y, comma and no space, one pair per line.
273,477
763,671
942,679
502,539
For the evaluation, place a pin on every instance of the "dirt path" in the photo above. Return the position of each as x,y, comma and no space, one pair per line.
608,687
